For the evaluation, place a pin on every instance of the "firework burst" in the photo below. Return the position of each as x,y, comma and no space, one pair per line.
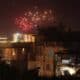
33,18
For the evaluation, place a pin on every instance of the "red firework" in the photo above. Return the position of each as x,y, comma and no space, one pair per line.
33,18
24,23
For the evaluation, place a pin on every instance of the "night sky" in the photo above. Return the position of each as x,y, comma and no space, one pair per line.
67,11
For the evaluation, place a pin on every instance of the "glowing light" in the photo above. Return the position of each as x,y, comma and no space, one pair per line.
29,38
33,39
3,39
13,53
17,37
69,69
23,49
45,12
